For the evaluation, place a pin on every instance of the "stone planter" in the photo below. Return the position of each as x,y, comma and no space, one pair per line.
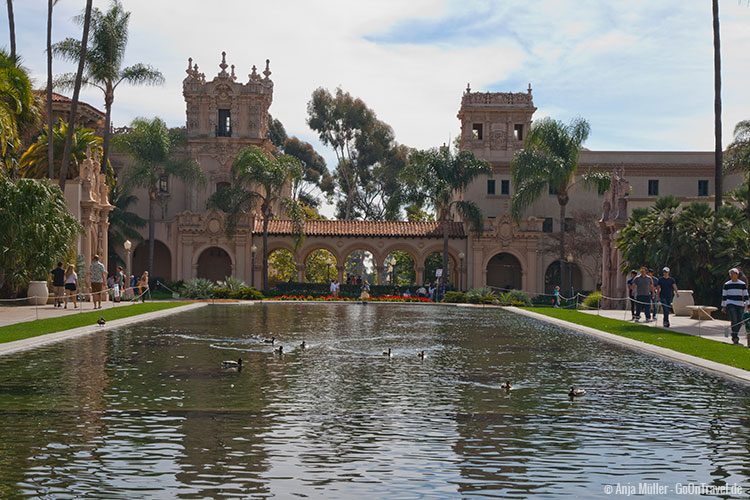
38,293
679,304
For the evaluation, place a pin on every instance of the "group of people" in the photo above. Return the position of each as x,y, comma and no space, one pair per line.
66,284
647,293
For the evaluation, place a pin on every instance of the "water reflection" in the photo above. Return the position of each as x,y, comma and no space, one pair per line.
147,410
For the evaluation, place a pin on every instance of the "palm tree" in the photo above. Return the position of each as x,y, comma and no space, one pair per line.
104,62
549,161
50,149
718,151
34,162
76,92
153,152
433,178
123,224
12,29
738,156
259,178
19,108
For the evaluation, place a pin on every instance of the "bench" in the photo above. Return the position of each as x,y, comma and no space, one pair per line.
701,312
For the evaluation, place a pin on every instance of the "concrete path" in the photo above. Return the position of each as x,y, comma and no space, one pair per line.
18,314
714,329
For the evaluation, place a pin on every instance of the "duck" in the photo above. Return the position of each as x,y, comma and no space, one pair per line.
576,392
272,340
229,364
507,386
100,321
303,345
421,355
387,353
279,350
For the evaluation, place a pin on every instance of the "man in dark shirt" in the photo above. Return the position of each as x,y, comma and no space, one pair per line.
58,283
667,289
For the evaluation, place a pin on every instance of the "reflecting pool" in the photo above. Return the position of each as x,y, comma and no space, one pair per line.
147,411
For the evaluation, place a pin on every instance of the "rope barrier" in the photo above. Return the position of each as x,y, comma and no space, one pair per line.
81,297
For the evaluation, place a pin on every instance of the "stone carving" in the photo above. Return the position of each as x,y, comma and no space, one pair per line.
497,98
498,136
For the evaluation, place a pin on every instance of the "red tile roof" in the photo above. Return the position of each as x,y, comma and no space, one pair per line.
358,228
65,99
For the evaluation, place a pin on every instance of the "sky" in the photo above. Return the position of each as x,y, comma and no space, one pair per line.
641,71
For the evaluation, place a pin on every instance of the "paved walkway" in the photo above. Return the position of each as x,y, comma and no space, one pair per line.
18,314
713,329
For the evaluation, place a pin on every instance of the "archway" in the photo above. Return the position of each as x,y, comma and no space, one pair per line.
162,260
399,269
433,262
359,266
281,267
504,271
320,266
214,264
572,275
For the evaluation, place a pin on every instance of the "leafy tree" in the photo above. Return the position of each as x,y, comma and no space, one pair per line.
366,165
154,153
34,162
282,267
403,271
259,178
315,177
33,215
103,62
435,177
276,132
19,108
123,224
549,161
320,267
738,158
415,213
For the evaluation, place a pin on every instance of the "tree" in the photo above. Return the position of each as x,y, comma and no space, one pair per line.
738,157
315,177
718,147
34,162
366,168
549,161
76,92
123,224
50,148
19,108
258,178
154,153
104,59
433,178
33,215
584,243
12,29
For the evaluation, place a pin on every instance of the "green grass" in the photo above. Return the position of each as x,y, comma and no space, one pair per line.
28,329
711,350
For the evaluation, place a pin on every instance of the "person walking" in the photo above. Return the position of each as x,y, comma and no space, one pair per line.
143,286
631,293
667,290
654,295
734,299
58,283
556,296
119,285
71,286
98,278
643,287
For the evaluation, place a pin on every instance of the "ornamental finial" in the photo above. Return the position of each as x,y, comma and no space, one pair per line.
468,88
267,71
223,64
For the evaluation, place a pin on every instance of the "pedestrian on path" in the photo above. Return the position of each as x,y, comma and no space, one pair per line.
71,286
654,295
667,290
643,287
734,300
58,283
98,278
556,295
631,293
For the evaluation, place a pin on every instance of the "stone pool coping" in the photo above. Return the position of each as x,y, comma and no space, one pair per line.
50,338
730,372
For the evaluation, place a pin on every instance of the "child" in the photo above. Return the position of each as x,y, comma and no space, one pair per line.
746,321
556,295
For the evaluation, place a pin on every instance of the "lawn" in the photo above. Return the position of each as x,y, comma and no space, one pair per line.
727,354
30,329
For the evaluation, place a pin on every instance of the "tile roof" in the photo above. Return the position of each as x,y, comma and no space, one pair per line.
358,228
67,100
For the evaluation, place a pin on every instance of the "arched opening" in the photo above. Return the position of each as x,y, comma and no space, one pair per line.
320,266
399,269
214,264
573,276
504,271
360,266
433,262
162,260
281,267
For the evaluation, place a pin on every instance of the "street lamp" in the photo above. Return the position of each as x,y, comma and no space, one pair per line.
461,257
253,250
569,258
128,245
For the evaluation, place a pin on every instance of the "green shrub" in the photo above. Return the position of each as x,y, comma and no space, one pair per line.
198,288
481,296
593,300
455,297
246,293
518,298
220,292
233,284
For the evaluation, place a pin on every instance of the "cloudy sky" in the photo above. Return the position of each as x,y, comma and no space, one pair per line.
639,71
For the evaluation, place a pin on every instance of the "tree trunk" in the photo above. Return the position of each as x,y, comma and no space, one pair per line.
719,153
50,139
109,98
747,206
445,257
266,217
151,230
74,101
562,247
12,30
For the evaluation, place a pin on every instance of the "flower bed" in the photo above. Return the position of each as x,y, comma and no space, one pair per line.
331,298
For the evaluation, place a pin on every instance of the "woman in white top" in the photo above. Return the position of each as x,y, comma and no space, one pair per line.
71,286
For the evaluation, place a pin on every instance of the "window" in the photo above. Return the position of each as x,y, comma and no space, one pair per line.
222,185
547,225
476,131
518,131
570,225
490,186
224,128
702,188
164,184
505,187
653,187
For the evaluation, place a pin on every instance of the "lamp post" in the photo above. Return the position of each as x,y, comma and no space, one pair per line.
128,245
461,257
569,258
253,250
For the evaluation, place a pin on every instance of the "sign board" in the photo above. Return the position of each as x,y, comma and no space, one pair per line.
438,273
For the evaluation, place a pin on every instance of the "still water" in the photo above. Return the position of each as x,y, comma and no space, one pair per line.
147,412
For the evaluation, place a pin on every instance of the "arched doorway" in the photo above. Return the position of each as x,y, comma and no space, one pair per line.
572,274
320,266
281,267
433,262
359,266
214,264
504,271
162,260
399,269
